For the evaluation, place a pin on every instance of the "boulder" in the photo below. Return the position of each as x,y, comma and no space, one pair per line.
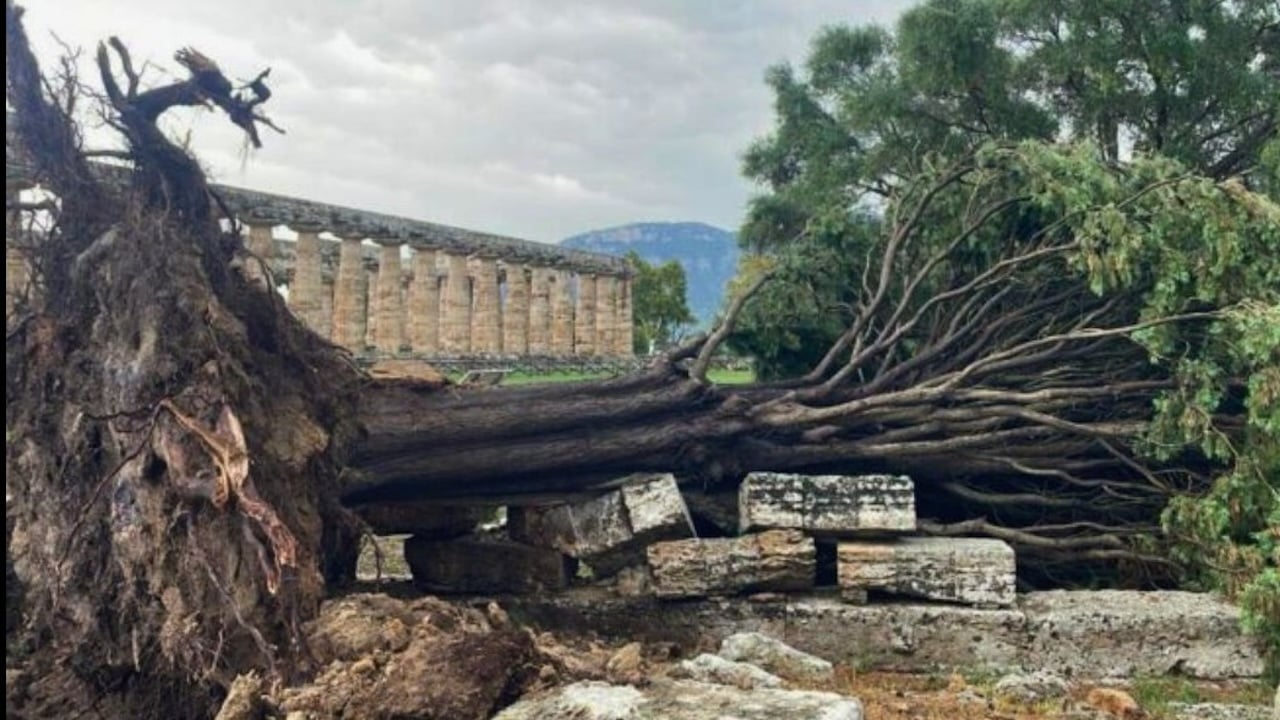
681,700
608,532
721,671
836,505
776,657
1030,688
773,560
974,571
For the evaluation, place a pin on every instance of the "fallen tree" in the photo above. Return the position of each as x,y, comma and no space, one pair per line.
1053,346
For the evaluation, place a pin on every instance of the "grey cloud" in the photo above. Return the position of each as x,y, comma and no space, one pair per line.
533,118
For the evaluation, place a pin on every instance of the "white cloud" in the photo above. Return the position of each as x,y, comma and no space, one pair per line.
536,118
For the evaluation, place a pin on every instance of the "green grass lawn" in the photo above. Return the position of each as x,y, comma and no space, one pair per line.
719,377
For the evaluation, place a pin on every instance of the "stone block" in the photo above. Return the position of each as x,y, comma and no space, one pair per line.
715,669
776,657
773,560
835,505
608,532
485,565
974,571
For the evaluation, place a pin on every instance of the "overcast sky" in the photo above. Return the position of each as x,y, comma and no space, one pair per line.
533,118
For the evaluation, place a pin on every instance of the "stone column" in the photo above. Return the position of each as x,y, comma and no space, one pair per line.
486,306
625,333
350,294
540,311
606,287
262,248
307,286
561,314
424,303
584,317
388,315
456,329
515,314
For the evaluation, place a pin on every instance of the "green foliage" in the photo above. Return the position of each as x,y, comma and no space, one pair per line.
1048,97
659,302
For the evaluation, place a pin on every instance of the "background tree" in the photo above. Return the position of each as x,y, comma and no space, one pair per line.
659,303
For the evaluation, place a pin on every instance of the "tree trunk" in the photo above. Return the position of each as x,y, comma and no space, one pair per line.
172,432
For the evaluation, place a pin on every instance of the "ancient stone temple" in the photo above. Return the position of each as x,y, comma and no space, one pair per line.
386,286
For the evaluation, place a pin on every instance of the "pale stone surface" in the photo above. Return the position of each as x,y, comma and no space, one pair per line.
387,326
605,314
976,571
262,246
456,327
562,320
625,332
839,505
681,700
771,560
721,671
305,290
776,657
1031,687
610,531
515,314
1219,711
1129,633
584,317
1077,634
486,318
540,311
350,296
476,565
423,322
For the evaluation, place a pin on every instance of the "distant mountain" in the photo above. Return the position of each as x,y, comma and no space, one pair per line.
709,255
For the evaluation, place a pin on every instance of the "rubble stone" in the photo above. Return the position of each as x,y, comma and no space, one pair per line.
839,505
715,669
776,657
681,700
976,571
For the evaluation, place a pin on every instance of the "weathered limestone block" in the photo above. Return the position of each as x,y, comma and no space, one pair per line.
562,319
681,700
486,318
456,330
715,669
423,322
540,311
350,296
776,657
976,571
422,520
584,317
387,328
624,335
485,565
515,314
307,286
608,532
772,560
606,289
838,505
